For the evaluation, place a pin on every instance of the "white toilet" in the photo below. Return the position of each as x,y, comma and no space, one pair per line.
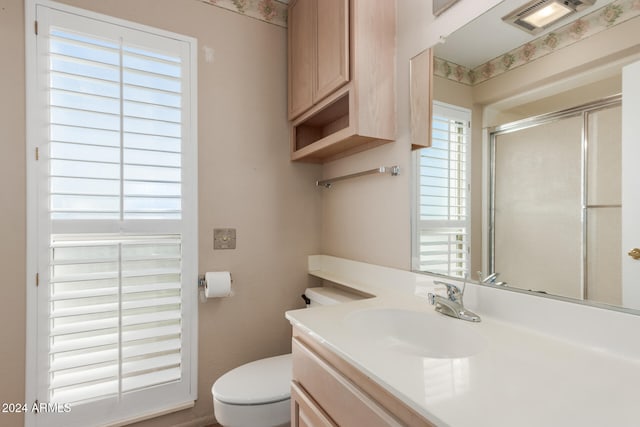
258,394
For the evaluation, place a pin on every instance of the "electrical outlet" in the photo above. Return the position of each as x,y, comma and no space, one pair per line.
224,238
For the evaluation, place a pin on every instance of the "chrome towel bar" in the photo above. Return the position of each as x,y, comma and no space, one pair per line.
394,170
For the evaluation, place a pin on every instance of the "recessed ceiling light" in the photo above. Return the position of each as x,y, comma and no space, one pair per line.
548,14
537,15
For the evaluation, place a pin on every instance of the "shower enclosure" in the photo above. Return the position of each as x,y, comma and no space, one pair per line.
555,202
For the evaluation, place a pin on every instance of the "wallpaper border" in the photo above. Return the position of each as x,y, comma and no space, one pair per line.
595,22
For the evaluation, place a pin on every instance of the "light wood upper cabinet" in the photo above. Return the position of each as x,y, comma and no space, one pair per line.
318,51
332,47
301,37
421,99
341,100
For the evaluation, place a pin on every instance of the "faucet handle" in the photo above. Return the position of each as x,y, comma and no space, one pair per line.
453,292
489,278
432,298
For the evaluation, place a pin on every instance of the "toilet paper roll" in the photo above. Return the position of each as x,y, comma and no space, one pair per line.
217,284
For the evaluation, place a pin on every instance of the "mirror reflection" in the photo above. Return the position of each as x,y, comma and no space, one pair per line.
556,202
522,184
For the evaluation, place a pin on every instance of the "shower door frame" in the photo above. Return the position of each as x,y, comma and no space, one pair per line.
584,111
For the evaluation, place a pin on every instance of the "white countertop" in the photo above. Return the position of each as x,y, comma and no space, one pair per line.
523,376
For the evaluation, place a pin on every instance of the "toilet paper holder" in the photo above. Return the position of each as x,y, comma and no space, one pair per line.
202,282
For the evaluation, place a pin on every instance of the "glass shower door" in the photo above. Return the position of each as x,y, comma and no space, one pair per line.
603,228
556,203
537,207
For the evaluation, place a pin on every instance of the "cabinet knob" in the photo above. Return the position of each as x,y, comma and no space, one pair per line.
635,253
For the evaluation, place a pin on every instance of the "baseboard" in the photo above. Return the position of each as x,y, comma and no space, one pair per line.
205,421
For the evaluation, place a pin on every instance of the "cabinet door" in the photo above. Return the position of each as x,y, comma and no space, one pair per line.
305,412
332,55
301,35
421,99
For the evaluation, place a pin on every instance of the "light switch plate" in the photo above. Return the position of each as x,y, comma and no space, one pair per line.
224,238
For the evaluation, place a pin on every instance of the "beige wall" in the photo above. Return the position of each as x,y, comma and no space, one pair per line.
13,224
566,99
245,181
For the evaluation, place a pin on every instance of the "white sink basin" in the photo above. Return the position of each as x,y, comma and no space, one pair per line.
417,333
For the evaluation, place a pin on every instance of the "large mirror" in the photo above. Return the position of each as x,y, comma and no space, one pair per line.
523,184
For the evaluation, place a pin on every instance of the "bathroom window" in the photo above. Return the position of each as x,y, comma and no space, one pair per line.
112,241
441,216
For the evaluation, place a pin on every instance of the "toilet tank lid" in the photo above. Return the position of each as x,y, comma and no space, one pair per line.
325,295
259,382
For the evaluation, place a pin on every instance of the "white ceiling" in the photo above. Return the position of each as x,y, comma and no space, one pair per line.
487,37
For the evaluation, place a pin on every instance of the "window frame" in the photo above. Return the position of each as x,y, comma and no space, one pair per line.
37,225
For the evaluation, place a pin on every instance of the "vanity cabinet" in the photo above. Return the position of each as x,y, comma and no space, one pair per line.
328,391
341,68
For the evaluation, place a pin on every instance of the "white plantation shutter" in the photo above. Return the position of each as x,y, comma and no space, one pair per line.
115,313
116,303
115,130
442,188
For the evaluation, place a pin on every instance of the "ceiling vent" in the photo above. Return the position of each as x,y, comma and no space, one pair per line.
538,15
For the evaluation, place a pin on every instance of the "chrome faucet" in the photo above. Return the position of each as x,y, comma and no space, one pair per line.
452,304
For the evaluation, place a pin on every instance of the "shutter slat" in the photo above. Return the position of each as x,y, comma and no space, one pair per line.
89,358
147,365
87,326
152,332
85,343
148,380
75,394
128,259
93,376
105,308
141,319
150,288
132,350
427,254
90,293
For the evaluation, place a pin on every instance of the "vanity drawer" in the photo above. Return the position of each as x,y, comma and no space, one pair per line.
305,412
344,402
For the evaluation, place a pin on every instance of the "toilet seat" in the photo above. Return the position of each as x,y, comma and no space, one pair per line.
276,414
256,383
